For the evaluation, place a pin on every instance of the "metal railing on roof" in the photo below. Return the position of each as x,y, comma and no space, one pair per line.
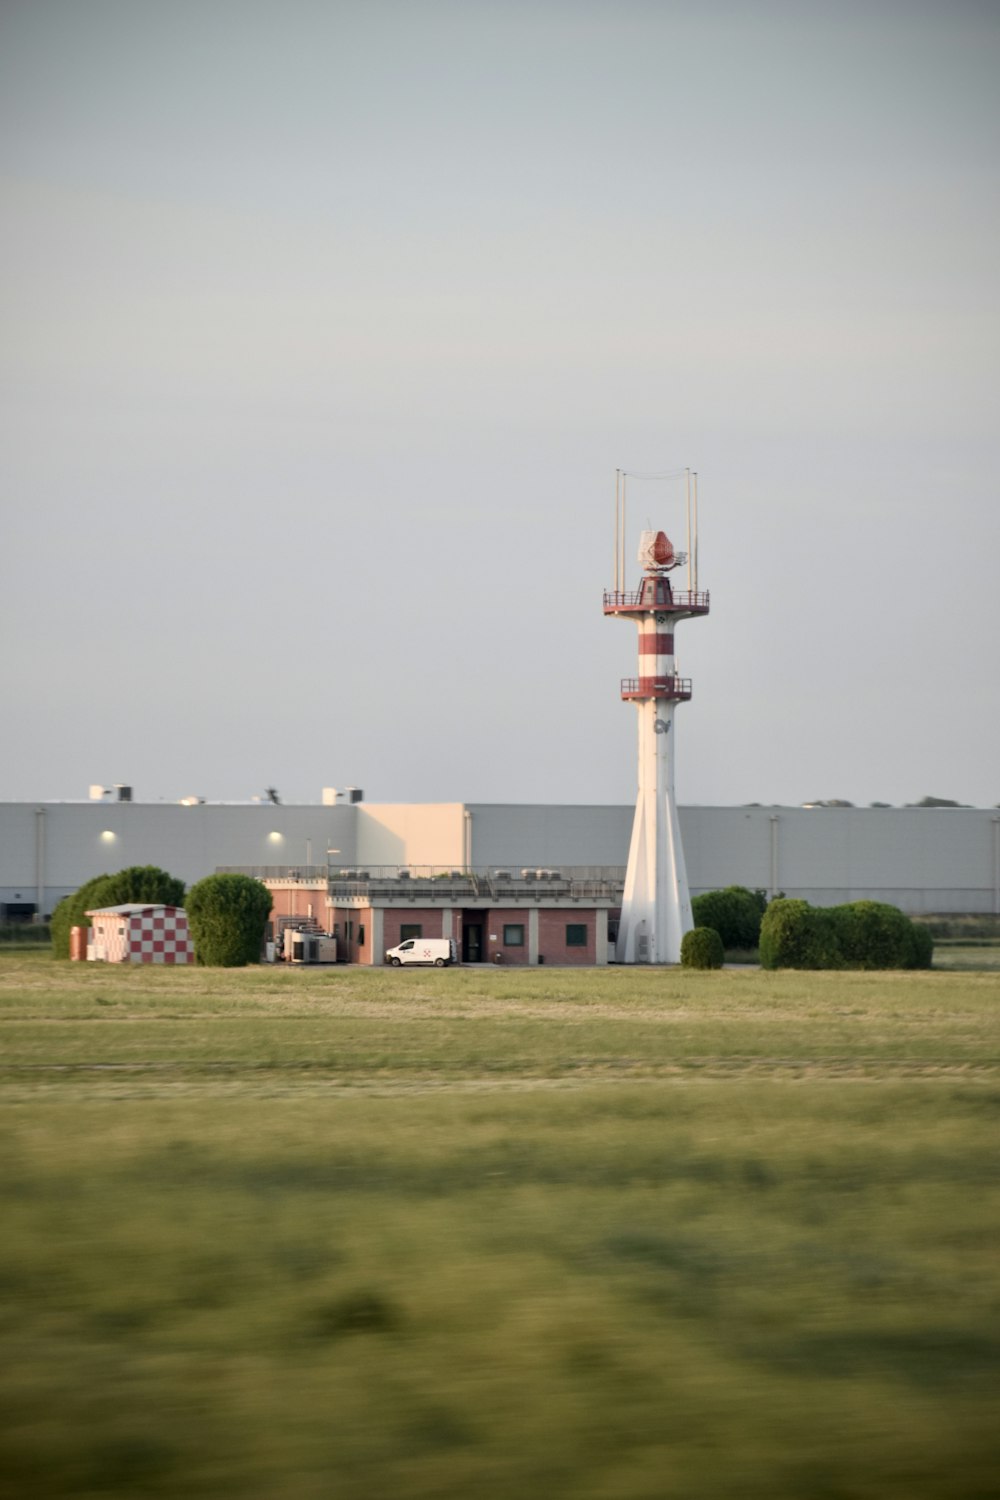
516,883
437,883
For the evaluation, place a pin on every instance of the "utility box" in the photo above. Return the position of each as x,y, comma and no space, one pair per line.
308,947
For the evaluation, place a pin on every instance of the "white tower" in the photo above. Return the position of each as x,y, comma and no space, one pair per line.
656,911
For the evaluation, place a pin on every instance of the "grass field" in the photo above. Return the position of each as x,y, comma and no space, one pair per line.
613,1235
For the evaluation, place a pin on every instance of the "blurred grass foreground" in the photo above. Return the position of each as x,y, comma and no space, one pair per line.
609,1235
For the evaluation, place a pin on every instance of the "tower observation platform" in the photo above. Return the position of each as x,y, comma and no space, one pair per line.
656,593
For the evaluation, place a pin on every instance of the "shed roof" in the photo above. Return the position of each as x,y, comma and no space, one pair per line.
129,908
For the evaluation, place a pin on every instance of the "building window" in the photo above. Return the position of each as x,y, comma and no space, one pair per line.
361,932
576,934
411,930
513,935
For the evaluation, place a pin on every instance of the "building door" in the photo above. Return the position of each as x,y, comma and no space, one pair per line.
472,941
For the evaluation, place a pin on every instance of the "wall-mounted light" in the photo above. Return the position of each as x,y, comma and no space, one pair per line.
107,837
275,838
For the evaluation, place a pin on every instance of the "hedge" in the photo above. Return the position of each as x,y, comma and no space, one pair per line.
859,935
227,916
874,935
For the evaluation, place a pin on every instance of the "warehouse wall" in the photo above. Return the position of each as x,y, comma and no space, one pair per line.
921,859
512,835
84,839
411,833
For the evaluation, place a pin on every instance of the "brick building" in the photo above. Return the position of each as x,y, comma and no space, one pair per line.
499,916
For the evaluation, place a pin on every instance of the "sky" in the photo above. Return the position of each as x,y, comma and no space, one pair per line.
327,325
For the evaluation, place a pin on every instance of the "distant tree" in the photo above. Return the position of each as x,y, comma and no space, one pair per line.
936,802
701,948
880,804
138,883
227,915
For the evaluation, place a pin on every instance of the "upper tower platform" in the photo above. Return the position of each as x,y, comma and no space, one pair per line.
655,594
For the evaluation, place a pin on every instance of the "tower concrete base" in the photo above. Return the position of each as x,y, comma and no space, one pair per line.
656,910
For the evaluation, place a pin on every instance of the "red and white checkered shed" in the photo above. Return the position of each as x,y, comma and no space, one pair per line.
142,935
160,936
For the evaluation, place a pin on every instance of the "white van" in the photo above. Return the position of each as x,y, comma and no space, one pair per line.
438,951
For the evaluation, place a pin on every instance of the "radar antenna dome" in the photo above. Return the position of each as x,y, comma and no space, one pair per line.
656,550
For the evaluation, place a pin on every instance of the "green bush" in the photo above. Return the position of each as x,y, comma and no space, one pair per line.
137,883
795,935
227,915
922,940
874,935
71,912
859,935
735,913
702,948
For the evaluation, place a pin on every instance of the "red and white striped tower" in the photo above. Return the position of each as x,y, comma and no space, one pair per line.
656,910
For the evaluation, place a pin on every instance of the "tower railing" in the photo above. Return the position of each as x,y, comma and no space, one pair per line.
680,599
676,688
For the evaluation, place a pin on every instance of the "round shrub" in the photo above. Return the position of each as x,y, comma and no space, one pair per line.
795,935
922,941
137,883
702,948
735,913
227,915
874,935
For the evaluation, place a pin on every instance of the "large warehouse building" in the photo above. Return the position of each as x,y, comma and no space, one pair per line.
920,859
